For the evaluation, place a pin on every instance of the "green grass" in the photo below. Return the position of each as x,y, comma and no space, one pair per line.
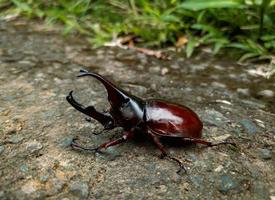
246,27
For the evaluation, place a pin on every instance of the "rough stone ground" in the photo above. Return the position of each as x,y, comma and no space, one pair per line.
37,70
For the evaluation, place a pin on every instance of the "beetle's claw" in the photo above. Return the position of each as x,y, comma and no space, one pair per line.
181,165
98,132
74,145
82,72
224,142
88,119
233,144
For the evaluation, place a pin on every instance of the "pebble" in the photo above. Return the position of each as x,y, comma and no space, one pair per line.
140,67
221,138
249,126
24,168
219,67
214,117
260,123
2,109
110,154
175,66
162,189
227,183
65,142
29,187
196,180
79,189
219,168
154,86
34,146
223,101
266,93
218,85
164,71
11,130
154,70
2,149
243,91
8,98
26,63
55,186
265,154
44,178
15,139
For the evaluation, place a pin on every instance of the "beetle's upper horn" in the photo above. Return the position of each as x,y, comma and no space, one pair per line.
116,96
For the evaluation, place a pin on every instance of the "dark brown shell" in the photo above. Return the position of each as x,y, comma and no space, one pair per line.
172,120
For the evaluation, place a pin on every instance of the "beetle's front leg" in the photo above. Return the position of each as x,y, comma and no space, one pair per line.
124,138
104,118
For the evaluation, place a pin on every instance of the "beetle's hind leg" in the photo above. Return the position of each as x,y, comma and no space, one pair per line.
104,118
164,153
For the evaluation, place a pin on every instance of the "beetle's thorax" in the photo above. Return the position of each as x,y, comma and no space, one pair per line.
130,113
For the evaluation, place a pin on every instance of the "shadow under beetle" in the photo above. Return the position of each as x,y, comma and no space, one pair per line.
157,118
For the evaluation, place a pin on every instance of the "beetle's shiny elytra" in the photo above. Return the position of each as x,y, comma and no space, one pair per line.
156,118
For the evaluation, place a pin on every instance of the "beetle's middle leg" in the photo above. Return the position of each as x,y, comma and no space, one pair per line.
164,153
124,138
104,118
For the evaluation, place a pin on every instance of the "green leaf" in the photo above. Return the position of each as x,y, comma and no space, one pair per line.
268,37
205,28
255,46
170,18
190,46
23,6
247,56
206,4
219,43
239,45
270,44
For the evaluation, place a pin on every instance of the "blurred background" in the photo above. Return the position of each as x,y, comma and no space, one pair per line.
245,29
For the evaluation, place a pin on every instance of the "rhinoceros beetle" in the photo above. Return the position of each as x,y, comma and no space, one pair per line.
157,118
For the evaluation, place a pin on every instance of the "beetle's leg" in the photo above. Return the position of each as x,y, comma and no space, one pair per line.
209,144
164,152
104,118
124,138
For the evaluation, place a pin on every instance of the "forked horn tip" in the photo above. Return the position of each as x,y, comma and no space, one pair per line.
83,71
70,93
